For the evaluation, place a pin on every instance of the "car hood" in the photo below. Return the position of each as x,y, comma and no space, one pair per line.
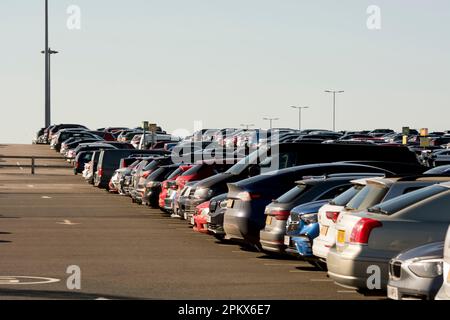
429,250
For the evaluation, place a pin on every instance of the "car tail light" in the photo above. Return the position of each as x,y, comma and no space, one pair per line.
122,163
361,231
100,172
247,196
145,174
280,214
333,215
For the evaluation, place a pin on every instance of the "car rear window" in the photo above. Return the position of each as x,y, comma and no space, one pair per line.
194,170
398,203
370,195
174,174
346,196
293,193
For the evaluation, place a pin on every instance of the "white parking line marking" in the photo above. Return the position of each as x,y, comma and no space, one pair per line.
18,164
30,186
67,222
285,264
301,271
46,197
346,291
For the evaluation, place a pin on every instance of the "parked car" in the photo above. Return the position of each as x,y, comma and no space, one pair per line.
169,188
307,190
370,192
201,170
151,189
217,208
416,273
199,220
373,237
247,199
301,229
109,161
444,291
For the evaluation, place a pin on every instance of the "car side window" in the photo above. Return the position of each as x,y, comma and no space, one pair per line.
334,192
434,209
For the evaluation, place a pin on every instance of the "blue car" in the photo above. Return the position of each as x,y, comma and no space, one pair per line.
302,228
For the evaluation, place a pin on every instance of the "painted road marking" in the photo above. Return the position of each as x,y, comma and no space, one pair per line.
346,291
30,186
46,197
301,271
67,222
22,280
18,164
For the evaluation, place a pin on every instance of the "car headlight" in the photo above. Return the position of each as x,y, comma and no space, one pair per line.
202,193
309,218
427,268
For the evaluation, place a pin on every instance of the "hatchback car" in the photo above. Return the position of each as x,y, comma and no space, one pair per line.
370,193
366,241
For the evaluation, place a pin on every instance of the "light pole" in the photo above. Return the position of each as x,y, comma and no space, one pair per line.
48,96
271,120
48,52
334,105
299,116
247,126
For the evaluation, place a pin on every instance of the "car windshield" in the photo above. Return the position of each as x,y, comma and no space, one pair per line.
370,195
293,193
398,203
244,163
345,197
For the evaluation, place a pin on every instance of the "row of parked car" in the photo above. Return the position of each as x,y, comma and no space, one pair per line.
368,210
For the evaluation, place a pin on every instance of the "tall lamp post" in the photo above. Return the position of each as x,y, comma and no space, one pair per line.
271,121
334,105
47,52
299,116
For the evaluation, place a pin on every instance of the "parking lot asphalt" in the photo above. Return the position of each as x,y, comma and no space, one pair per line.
53,220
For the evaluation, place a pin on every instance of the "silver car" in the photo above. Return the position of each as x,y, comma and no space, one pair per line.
444,292
416,273
366,241
370,192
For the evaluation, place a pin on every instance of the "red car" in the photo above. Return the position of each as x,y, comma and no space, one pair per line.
199,219
165,185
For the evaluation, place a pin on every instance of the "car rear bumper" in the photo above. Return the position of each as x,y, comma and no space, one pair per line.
272,242
357,271
320,248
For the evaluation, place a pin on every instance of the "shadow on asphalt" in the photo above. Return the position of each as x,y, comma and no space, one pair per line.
308,268
66,295
279,257
5,241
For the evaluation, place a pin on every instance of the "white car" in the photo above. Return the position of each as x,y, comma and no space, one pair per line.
444,292
327,217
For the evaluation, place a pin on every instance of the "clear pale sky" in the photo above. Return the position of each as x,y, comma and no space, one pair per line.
226,62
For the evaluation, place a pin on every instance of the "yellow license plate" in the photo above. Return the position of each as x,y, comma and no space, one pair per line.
230,203
269,220
341,236
323,230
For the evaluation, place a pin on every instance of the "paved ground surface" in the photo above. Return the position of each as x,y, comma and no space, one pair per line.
52,220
